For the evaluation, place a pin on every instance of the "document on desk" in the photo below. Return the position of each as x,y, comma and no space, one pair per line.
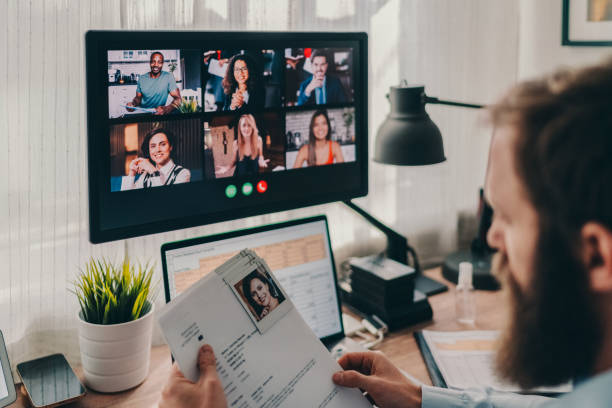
465,360
267,356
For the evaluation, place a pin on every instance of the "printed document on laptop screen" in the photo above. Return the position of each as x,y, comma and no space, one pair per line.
298,255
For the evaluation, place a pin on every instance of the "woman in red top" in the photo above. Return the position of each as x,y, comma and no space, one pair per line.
320,150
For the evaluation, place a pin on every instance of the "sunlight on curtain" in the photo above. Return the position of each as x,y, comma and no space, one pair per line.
335,9
268,15
216,6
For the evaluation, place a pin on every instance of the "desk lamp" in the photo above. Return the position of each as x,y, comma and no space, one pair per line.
408,137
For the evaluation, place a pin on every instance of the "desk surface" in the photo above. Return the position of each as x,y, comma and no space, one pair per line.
399,346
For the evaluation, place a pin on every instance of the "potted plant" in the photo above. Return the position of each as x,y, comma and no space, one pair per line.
115,323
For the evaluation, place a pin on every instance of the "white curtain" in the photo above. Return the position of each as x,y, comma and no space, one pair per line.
460,49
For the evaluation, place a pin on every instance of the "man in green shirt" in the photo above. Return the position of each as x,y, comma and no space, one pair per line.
153,88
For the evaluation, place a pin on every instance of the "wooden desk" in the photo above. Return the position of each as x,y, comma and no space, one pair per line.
399,346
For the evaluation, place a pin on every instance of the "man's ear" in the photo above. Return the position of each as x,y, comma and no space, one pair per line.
597,256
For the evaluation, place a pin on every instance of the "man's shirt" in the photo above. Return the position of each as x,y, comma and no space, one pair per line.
320,94
593,393
155,90
330,92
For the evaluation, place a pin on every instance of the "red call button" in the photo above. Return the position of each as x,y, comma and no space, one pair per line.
262,186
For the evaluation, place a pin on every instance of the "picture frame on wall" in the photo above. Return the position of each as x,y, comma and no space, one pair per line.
587,23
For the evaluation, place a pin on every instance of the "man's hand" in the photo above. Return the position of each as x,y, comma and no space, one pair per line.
373,372
129,109
206,393
315,83
163,110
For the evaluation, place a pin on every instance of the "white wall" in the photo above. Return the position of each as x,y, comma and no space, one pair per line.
540,41
462,51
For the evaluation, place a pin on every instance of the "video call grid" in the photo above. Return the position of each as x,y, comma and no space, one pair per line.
208,116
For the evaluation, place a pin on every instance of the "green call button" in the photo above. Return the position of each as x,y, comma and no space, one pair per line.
247,189
231,191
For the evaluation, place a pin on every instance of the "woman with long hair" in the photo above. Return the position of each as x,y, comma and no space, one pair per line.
156,167
261,293
248,146
320,150
241,84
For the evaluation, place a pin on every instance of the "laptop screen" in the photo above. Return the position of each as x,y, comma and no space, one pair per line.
298,252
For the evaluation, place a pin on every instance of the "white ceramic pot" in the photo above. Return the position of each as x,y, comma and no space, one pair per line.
116,357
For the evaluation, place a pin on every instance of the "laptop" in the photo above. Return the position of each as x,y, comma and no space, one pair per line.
298,253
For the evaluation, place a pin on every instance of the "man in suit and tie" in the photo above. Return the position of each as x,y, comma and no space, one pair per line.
320,88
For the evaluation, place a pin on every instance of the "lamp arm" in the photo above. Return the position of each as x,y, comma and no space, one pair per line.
397,244
434,100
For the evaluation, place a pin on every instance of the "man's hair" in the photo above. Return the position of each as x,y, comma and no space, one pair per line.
564,143
563,156
158,53
320,53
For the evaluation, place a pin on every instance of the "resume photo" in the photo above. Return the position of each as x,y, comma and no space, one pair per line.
259,293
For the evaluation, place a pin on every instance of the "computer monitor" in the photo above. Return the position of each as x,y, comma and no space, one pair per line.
189,128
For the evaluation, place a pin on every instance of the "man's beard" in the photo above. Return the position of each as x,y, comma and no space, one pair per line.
553,333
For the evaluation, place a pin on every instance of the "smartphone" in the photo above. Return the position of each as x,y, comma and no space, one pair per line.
50,381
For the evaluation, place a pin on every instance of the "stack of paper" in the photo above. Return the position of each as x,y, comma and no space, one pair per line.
465,360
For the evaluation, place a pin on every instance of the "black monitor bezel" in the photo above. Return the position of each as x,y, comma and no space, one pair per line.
99,42
169,246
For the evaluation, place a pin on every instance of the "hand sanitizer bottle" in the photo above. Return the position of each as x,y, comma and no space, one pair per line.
465,304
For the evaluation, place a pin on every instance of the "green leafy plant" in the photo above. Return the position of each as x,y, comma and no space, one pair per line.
111,294
189,105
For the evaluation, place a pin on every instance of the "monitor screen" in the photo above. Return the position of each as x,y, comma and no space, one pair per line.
190,128
298,253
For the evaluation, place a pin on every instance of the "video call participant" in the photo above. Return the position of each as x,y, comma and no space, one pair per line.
154,87
320,150
320,88
241,84
249,149
548,181
261,294
156,168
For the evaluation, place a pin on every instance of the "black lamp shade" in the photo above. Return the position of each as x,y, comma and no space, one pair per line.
408,137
